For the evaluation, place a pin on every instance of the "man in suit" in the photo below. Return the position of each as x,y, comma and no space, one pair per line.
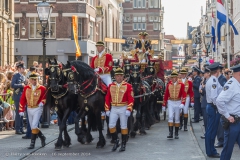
18,83
197,104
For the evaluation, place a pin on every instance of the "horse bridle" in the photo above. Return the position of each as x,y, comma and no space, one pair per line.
58,70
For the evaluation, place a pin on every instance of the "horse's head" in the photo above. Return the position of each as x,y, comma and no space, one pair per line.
150,70
135,77
70,73
54,74
127,68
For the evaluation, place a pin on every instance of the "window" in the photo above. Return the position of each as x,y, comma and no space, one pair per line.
127,19
35,25
16,0
91,2
156,18
151,19
6,5
79,29
139,4
139,23
155,26
91,30
153,3
155,47
17,30
41,0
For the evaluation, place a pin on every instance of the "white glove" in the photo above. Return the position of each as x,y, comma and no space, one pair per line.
108,113
40,104
96,69
21,114
146,52
181,106
163,108
128,113
103,114
192,104
139,50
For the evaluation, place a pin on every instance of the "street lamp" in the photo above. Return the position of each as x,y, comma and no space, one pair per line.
208,38
199,60
44,10
23,31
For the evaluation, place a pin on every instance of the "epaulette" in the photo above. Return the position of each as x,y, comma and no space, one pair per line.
230,82
214,80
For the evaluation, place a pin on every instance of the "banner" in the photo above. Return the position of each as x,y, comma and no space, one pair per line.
167,65
75,34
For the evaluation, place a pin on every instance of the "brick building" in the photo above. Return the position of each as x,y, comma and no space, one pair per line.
60,43
6,32
144,15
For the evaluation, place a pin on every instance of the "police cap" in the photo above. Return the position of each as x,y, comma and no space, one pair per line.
236,68
214,66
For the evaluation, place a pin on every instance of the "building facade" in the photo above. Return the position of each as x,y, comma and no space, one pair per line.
97,19
236,22
147,16
6,32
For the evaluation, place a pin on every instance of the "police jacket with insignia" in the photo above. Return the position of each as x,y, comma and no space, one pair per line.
222,80
119,95
196,83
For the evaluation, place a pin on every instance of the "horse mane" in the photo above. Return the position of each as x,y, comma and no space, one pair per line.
83,69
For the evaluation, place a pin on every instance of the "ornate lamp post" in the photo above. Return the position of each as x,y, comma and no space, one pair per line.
208,38
44,10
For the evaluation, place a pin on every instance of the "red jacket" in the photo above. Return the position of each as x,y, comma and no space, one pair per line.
189,89
174,92
32,98
122,96
104,63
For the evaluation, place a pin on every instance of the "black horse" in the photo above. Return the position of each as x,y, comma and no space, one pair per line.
157,88
59,98
142,92
83,81
127,69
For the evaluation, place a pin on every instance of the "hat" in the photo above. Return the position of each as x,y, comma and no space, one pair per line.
33,75
20,65
196,69
119,71
214,66
236,68
206,70
143,34
174,74
100,43
183,71
220,66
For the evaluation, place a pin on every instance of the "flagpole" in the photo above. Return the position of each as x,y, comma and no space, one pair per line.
216,40
227,25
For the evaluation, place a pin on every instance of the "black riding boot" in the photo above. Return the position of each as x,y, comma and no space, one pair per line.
42,137
176,132
123,145
170,132
185,123
33,139
181,122
116,141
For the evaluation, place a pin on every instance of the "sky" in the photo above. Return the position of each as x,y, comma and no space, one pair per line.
178,12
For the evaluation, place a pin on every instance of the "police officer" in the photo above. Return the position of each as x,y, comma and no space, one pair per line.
220,132
213,89
228,104
196,83
18,83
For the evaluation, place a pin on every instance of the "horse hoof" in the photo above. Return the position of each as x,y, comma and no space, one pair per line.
143,133
82,140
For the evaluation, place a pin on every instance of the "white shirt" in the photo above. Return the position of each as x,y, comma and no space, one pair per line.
33,87
213,89
101,53
183,80
228,102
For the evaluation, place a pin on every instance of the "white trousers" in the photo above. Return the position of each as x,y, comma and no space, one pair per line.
186,106
174,111
34,115
115,113
106,78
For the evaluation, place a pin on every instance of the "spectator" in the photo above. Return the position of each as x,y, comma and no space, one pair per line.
35,64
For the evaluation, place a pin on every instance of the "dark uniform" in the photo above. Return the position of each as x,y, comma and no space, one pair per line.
220,132
17,84
228,104
197,104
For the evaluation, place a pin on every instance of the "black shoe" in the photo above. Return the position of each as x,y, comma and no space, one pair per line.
33,139
42,138
185,123
176,132
123,145
215,156
170,132
116,141
25,137
195,121
23,132
200,119
218,146
185,128
203,136
18,132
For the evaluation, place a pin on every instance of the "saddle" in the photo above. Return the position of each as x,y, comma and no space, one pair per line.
102,86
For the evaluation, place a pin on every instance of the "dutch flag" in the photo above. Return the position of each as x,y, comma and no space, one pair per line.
221,16
213,34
